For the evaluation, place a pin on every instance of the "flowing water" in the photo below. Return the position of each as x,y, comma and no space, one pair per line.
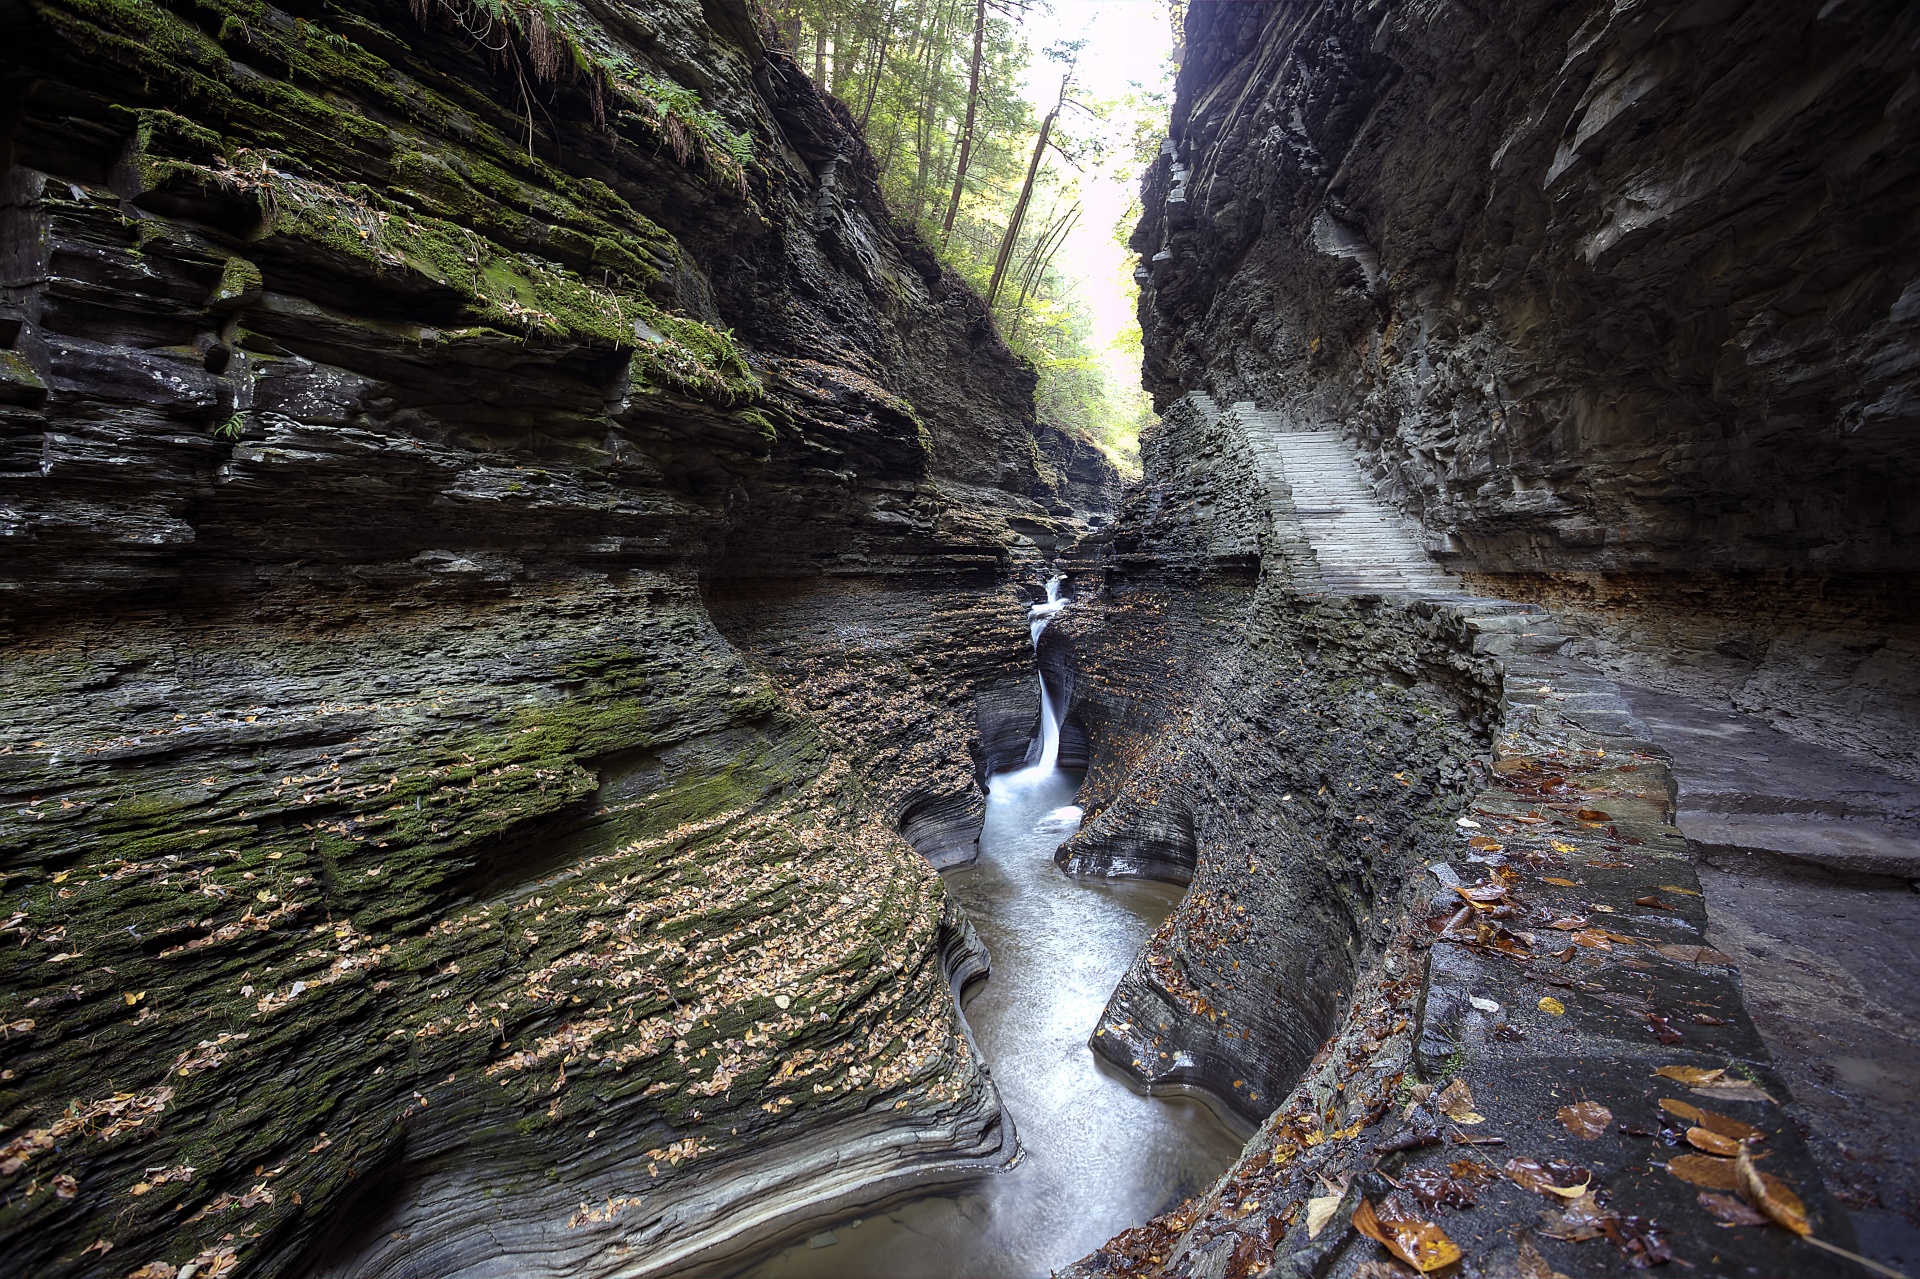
1096,1157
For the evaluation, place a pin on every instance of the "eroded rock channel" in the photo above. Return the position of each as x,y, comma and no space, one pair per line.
518,735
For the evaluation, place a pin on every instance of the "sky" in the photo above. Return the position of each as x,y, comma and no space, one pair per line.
1128,42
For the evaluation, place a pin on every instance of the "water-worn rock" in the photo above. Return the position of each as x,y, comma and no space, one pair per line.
404,873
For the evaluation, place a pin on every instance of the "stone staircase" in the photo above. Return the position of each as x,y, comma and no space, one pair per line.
1359,545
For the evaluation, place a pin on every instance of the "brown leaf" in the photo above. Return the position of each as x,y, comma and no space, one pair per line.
1724,1125
1529,1175
1770,1195
1592,815
1705,1170
1712,1142
1564,883
1651,902
1733,1212
1690,1074
1734,1090
1582,1218
65,1186
1586,1119
1456,1103
1421,1244
1529,1264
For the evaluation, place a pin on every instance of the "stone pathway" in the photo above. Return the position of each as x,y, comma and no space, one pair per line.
1359,545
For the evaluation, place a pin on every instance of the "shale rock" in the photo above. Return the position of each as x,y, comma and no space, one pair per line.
404,874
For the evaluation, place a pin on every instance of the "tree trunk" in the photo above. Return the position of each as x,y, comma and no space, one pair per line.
966,130
879,64
1012,236
820,57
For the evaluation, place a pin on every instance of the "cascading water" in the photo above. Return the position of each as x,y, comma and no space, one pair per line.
1096,1157
1042,771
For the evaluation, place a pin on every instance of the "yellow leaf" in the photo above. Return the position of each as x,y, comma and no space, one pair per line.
1771,1195
1548,1004
1564,883
1690,1074
1320,1211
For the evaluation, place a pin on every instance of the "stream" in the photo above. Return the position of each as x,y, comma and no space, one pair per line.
1096,1157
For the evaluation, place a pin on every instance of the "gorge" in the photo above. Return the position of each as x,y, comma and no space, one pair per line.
522,587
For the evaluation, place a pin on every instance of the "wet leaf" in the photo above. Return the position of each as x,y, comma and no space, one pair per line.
1581,1219
1588,1119
1734,1090
1548,1004
1564,883
1724,1125
1712,1142
1592,815
1528,1174
1651,902
1675,888
1690,1074
65,1186
1705,1170
1320,1210
1529,1264
1771,1195
1436,1189
1456,1103
1421,1244
1731,1211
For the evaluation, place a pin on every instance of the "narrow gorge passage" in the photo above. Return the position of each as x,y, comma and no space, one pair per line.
1097,1157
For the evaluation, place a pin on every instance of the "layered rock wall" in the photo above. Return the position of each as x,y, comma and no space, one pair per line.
1603,294
444,828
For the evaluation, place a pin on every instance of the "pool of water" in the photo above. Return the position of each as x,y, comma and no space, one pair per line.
1097,1157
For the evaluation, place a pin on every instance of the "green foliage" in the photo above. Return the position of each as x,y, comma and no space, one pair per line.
231,428
903,68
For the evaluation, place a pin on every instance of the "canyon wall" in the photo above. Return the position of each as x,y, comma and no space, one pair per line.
1618,301
503,533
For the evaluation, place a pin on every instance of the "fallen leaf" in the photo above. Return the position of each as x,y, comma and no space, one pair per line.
1421,1244
1528,1174
1456,1103
1731,1211
1548,1004
1591,815
1770,1195
1724,1125
1705,1170
1434,1188
1675,888
1651,902
1564,883
1320,1210
1690,1074
1529,1264
1734,1090
1712,1142
65,1186
1588,1119
1580,1220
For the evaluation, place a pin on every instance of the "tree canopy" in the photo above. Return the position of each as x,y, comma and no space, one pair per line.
993,184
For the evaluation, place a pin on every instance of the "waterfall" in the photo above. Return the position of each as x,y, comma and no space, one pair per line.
1043,756
1041,779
